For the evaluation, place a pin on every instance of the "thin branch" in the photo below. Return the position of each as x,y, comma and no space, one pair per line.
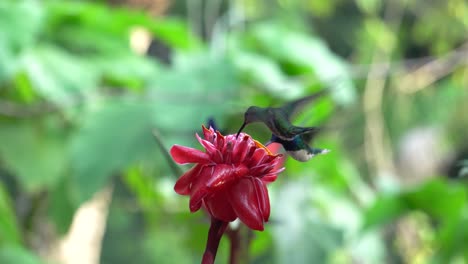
377,146
432,71
12,109
176,170
195,15
212,11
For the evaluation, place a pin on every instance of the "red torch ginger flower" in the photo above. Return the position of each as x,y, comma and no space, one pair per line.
229,178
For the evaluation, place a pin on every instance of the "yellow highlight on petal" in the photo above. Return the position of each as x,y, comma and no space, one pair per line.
260,145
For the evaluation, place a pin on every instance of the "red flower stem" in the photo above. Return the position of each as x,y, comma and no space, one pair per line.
215,233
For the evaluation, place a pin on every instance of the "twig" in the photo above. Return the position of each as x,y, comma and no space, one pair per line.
378,150
212,10
174,168
195,16
432,71
12,109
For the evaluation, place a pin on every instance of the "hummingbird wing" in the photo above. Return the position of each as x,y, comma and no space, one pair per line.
295,106
295,130
310,135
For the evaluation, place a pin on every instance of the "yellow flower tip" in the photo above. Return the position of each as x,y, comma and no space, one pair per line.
260,145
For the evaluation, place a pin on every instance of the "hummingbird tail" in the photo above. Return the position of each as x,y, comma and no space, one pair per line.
317,151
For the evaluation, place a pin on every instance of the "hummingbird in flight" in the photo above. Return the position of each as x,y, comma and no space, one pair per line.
299,147
277,119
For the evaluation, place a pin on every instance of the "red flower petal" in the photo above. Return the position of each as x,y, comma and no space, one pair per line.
212,151
208,134
228,153
240,150
224,174
274,147
258,157
243,199
229,178
263,198
261,169
182,185
199,190
269,178
212,179
183,155
219,207
219,140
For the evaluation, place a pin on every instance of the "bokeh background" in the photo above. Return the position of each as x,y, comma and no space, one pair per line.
94,93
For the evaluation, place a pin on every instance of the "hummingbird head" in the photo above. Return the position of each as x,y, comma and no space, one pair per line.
253,114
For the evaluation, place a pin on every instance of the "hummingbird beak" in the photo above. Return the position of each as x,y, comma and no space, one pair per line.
240,130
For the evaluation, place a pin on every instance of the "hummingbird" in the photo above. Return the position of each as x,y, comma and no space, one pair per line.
277,118
299,147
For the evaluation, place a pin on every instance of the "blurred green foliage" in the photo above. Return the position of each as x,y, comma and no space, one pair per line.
78,109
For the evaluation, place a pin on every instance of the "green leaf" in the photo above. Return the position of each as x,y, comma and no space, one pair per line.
9,229
111,137
385,209
15,255
33,152
369,6
59,76
62,205
7,63
300,236
126,70
451,239
198,87
441,200
310,54
17,32
118,22
266,73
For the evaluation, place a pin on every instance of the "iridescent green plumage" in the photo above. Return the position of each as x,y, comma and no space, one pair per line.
299,147
277,119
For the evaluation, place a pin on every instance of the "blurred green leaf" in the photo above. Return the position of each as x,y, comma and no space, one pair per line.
369,6
441,200
163,246
310,53
15,255
111,137
300,236
9,229
62,205
7,63
33,152
95,18
451,239
265,72
190,96
384,210
58,76
17,33
126,70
